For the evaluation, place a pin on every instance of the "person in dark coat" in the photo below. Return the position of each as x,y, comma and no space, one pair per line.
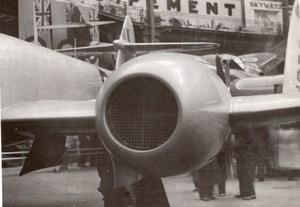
94,143
111,196
262,146
223,160
208,176
244,147
148,191
83,144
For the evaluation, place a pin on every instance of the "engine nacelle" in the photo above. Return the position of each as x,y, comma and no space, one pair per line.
163,113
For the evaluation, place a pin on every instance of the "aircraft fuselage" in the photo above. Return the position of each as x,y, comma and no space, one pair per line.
32,73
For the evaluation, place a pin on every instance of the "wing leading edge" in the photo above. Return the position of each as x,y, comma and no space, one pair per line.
63,115
49,120
261,110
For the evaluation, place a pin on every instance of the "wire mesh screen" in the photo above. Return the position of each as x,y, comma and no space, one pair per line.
142,113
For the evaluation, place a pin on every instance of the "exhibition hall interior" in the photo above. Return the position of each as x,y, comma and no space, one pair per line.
139,103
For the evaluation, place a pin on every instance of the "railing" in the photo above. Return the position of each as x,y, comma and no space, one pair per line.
71,152
85,151
14,153
195,21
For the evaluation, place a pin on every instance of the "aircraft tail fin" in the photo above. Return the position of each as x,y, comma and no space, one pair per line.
291,83
126,36
84,11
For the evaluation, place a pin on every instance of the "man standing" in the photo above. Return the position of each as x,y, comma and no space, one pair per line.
208,176
244,146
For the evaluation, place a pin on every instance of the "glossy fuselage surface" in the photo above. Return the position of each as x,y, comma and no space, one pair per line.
32,73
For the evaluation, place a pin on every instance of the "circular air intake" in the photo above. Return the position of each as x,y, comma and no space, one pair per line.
142,113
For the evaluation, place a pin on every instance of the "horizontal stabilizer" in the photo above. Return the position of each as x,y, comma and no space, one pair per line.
164,46
105,48
76,25
63,26
101,48
99,23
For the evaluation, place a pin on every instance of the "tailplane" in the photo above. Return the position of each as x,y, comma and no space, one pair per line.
127,47
291,83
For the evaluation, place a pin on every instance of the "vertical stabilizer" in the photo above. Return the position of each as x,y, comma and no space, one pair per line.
291,83
84,11
127,35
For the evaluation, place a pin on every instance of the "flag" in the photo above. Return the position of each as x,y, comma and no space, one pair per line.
42,13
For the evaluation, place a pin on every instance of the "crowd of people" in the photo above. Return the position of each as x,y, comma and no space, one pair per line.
248,148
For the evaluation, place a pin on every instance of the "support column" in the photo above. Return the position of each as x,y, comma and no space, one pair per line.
150,21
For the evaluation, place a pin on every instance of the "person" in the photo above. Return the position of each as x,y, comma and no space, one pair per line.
244,147
105,171
208,176
223,160
94,144
262,161
146,191
195,180
64,160
83,144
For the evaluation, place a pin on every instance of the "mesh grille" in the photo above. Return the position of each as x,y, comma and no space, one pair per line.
142,113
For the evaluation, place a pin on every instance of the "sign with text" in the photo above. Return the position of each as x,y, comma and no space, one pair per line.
221,8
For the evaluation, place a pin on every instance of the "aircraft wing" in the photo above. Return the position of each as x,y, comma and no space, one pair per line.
251,111
61,117
257,60
42,113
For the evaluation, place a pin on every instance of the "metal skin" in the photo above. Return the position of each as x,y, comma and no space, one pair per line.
203,101
40,87
30,73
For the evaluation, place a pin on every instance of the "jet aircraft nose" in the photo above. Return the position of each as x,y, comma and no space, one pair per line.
170,113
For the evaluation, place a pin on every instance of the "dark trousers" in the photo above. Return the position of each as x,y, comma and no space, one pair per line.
206,191
260,170
246,174
221,187
117,198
